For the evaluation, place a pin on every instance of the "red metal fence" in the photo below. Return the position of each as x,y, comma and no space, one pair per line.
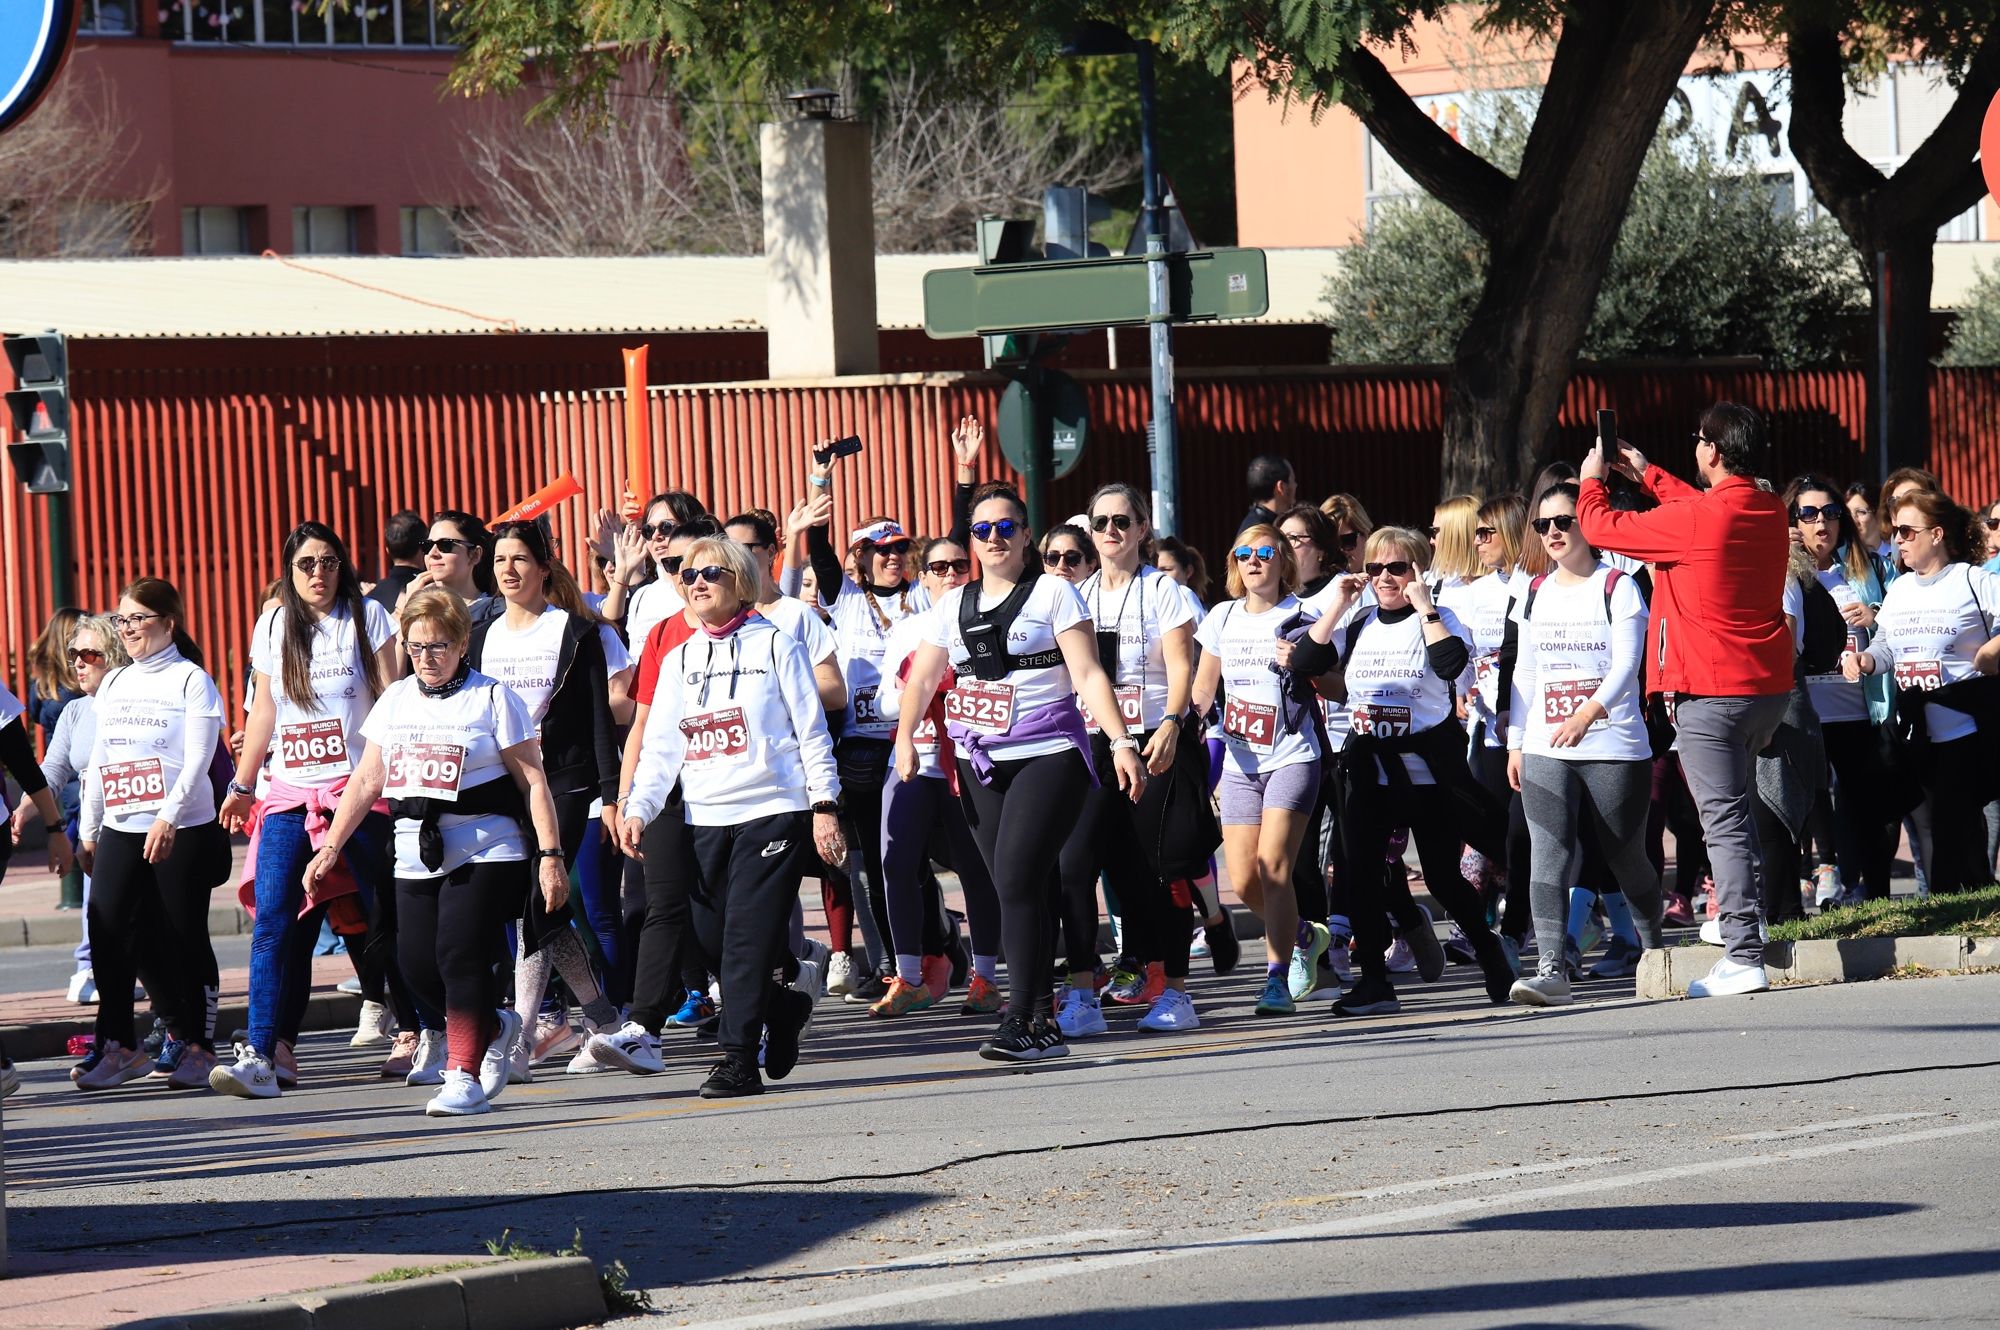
192,466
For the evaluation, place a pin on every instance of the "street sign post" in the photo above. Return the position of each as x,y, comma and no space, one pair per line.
1045,407
1055,294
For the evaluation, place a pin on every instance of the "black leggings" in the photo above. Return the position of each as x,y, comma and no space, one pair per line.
1863,839
1106,840
746,881
864,770
150,922
1953,778
1021,821
670,961
451,931
1369,816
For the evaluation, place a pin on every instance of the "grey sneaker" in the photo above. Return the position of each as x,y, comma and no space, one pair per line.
1549,987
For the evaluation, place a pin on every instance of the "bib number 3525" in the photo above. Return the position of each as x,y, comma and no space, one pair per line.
980,704
425,771
719,736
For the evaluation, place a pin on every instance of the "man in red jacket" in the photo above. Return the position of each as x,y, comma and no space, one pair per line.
1717,646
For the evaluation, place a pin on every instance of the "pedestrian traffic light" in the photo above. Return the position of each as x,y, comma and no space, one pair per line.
38,410
1004,241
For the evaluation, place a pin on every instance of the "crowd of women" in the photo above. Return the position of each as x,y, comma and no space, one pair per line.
556,824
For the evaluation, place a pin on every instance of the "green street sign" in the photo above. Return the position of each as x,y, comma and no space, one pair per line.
1068,420
1051,295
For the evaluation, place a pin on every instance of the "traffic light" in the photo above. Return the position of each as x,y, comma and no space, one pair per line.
1004,241
38,408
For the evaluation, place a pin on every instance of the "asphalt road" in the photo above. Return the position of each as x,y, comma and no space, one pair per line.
1811,1157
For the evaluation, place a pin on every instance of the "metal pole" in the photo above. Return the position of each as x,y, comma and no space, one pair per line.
1040,459
1163,441
61,576
1881,367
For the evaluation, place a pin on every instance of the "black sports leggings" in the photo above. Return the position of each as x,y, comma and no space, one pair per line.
1021,821
1862,837
1369,816
450,931
1106,840
670,961
150,922
864,770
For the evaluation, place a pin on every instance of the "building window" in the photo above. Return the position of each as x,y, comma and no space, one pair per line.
215,231
428,230
106,17
301,22
322,230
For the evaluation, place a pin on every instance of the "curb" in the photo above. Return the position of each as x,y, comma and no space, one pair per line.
50,1039
64,928
549,1294
1666,972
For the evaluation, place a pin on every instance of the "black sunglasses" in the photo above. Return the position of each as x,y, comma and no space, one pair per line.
1003,529
1908,532
1434,532
1400,568
944,567
672,564
1992,523
711,575
325,563
1483,533
1829,512
444,545
1063,559
1123,521
1350,540
1561,522
656,530
886,548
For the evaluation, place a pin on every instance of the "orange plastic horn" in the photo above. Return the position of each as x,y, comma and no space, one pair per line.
548,496
638,435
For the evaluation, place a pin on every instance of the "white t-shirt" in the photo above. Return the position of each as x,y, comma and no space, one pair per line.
1834,699
318,745
796,620
1142,612
1391,691
657,600
1253,715
862,638
1482,607
10,706
158,721
904,639
434,747
990,708
1574,650
1928,631
527,659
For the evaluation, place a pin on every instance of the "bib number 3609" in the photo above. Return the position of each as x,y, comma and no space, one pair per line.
719,736
425,771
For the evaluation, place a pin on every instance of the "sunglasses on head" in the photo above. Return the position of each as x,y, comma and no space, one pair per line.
656,530
1261,553
1561,522
445,545
325,563
711,575
1063,559
886,548
1398,568
1123,521
1826,512
948,567
85,656
1003,529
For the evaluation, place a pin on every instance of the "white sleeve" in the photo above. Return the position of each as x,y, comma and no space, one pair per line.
663,748
512,723
1066,608
1524,678
1173,608
264,645
817,639
617,659
1628,643
801,694
381,627
59,764
944,624
199,731
1209,635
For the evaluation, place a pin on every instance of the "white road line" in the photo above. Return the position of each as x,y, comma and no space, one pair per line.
854,1310
960,1255
1463,1179
1815,1128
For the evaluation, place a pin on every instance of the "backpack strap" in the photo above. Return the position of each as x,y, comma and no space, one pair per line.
1611,576
1528,605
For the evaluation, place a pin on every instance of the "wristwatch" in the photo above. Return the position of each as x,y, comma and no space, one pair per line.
1127,742
549,854
828,806
1433,617
244,790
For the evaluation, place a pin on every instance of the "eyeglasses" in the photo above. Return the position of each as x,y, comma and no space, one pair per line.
672,563
1699,437
1296,539
1349,539
1123,521
887,548
1482,534
85,656
1261,553
1002,530
711,575
1063,559
1991,523
1561,522
325,563
428,650
1899,532
1399,568
948,567
1826,512
123,621
446,545
656,530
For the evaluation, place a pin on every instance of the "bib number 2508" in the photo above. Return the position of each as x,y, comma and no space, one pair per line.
134,787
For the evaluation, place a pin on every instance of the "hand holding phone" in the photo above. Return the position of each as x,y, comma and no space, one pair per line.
827,453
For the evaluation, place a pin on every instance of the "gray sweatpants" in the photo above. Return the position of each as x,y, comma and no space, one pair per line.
1720,738
1556,795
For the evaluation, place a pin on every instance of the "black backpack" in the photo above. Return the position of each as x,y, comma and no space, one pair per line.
1825,631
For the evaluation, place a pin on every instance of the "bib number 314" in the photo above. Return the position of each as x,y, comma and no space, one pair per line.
1251,724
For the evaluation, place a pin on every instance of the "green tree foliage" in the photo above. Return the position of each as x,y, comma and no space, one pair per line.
1975,337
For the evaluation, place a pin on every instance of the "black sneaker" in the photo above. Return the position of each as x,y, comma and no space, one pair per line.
1017,1041
872,989
710,1029
1500,972
1224,951
785,1017
1370,996
730,1079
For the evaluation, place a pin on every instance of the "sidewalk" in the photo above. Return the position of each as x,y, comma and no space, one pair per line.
30,897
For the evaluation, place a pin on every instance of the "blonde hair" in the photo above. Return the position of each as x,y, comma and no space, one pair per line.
1262,534
744,577
441,607
1346,510
1402,541
115,654
1456,555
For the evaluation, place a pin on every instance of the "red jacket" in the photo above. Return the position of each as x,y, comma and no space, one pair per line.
1719,558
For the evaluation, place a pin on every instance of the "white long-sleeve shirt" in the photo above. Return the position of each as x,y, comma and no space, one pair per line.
737,721
1574,648
158,721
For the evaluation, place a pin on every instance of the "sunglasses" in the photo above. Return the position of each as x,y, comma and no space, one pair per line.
1123,521
1063,559
1295,539
1899,532
1350,540
427,650
325,563
1561,522
1826,512
85,656
711,575
887,548
1434,532
124,621
672,563
1482,534
1991,523
446,545
948,567
1261,553
1001,530
656,530
1399,568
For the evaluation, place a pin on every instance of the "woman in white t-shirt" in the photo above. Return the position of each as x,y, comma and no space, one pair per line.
1022,654
1936,632
151,844
645,585
455,754
314,676
1576,738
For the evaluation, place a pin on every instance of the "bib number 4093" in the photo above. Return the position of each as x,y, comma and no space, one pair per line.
719,736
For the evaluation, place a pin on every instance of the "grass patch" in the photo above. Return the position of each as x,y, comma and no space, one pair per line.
619,1300
403,1272
1968,914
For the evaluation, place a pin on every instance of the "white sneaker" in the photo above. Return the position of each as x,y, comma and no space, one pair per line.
251,1076
1827,887
1728,979
841,977
1081,1015
1399,958
1198,949
521,1062
496,1064
1338,961
1171,1012
460,1098
812,979
350,985
428,1066
819,956
585,1063
82,988
1711,933
376,1026
629,1047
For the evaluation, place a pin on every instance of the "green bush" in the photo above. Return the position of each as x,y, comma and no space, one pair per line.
1975,335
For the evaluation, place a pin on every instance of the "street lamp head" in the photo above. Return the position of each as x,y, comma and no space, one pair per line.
814,103
1097,37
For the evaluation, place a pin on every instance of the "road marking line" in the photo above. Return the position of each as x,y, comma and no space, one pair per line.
1455,1180
1815,1128
853,1310
960,1255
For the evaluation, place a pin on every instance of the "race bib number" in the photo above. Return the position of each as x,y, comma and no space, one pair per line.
313,749
425,771
1130,708
1562,697
1252,724
926,737
719,736
1383,722
1483,670
981,704
134,787
1924,675
866,712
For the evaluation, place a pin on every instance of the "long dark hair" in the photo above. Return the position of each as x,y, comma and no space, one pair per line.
558,585
472,529
1847,549
159,596
299,625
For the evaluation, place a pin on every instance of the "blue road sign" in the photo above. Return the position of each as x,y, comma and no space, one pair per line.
34,39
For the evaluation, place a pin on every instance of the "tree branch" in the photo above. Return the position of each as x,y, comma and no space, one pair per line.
1449,171
1929,189
1842,180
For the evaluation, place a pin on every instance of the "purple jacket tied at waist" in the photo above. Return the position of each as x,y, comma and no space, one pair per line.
1056,720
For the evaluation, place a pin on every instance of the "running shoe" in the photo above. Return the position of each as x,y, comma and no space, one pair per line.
350,986
1171,1013
91,1056
82,988
819,956
428,1068
698,1008
1512,946
1572,959
1369,997
155,1039
1198,948
521,1062
785,1018
191,1070
901,1000
1303,977
496,1063
461,1097
1619,961
171,1052
1827,887
1276,999
402,1056
937,976
1729,979
732,1079
1150,987
1548,987
1500,972
286,1064
842,975
10,1079
1711,933
115,1067
982,997
1080,1015
1124,979
376,1026
630,1047
1677,913
251,1076
870,989
1224,951
1338,962
585,1063
1458,947
554,1035
1399,958
1018,1041
1425,947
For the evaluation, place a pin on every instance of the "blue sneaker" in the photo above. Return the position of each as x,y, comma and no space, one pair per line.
1304,976
1277,997
694,1011
170,1055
